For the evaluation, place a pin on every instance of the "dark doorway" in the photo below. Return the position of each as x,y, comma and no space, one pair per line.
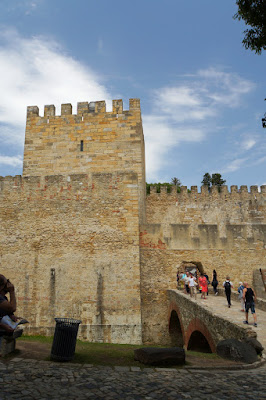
198,342
175,330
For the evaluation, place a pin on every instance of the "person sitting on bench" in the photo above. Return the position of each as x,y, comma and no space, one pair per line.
8,321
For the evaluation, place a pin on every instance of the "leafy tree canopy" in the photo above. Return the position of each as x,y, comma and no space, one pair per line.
253,13
214,180
175,181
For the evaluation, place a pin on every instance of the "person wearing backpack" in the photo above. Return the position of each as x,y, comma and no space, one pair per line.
250,297
227,288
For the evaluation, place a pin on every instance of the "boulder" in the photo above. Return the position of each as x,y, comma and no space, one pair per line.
160,356
255,344
233,349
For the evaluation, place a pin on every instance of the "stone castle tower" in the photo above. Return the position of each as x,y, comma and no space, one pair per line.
80,239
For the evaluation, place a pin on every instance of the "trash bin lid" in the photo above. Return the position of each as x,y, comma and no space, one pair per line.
68,321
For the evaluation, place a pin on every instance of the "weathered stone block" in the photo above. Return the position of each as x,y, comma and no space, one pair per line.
160,356
235,350
255,344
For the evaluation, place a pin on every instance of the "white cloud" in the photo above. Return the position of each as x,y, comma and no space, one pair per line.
248,144
189,112
226,88
15,161
27,7
38,72
234,165
160,136
260,160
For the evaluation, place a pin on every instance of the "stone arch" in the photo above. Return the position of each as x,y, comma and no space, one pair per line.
202,336
198,342
190,265
176,330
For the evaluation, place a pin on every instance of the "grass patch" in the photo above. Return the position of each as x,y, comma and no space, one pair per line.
210,356
36,338
106,354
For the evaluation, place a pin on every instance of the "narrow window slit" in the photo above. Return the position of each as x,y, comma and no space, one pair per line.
81,145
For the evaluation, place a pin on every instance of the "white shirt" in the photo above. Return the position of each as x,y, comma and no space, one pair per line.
192,281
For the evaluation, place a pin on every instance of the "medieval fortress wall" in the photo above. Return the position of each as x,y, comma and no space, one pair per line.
80,238
225,231
71,246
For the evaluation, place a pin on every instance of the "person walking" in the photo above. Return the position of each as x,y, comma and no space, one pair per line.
186,283
192,286
214,282
250,297
204,285
227,288
207,278
240,289
177,279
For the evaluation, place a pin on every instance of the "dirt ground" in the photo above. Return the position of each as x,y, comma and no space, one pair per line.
41,351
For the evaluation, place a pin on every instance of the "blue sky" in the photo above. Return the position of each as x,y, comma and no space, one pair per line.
202,94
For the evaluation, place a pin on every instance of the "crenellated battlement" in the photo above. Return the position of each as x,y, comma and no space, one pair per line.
86,109
209,207
203,190
63,186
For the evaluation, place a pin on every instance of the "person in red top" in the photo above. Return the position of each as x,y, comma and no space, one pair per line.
204,286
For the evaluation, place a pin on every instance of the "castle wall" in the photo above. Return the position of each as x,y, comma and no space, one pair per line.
80,239
70,244
93,140
222,231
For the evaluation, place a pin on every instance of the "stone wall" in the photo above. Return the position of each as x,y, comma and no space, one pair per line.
222,231
71,247
237,206
193,317
80,239
93,140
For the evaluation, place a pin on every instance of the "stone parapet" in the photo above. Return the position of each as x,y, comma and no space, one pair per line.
84,108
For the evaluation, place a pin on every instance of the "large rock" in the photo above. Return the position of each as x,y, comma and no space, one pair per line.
163,356
235,350
255,344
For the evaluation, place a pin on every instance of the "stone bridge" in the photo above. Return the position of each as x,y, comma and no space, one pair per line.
202,324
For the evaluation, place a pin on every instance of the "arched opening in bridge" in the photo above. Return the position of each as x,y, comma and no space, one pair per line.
198,342
175,330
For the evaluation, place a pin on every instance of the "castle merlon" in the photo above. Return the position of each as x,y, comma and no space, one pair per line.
214,190
61,185
84,108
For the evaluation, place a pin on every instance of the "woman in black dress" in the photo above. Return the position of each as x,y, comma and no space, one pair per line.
215,282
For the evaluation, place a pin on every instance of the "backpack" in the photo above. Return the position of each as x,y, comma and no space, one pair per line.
227,286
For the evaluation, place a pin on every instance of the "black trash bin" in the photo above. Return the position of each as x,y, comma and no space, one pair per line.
65,337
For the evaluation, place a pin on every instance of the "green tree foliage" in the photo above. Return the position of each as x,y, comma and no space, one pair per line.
253,13
174,185
217,180
207,180
214,180
175,181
